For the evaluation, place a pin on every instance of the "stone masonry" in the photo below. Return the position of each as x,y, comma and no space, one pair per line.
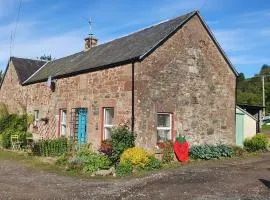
94,91
186,76
12,93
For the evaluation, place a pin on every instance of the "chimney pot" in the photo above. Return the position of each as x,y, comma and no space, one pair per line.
90,42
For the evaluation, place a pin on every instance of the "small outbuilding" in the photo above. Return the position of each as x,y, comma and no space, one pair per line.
246,126
256,111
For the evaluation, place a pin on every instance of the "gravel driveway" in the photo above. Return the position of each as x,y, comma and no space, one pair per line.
229,179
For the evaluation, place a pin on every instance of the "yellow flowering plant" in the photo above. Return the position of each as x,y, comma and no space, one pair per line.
137,156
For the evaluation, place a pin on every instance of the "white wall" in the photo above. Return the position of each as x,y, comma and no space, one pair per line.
249,126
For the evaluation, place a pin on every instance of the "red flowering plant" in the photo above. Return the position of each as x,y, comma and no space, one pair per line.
106,148
181,148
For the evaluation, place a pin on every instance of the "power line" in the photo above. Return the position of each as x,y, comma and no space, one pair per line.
204,3
13,33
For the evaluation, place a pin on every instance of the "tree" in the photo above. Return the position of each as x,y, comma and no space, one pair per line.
249,90
265,70
241,77
1,75
46,57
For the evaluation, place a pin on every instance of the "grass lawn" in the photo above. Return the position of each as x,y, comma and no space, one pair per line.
266,131
266,128
48,164
30,161
41,163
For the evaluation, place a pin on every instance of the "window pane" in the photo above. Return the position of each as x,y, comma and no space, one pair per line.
64,116
163,120
63,130
36,114
163,135
109,114
107,133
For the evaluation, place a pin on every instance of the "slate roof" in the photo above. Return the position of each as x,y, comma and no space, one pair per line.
26,67
124,49
131,48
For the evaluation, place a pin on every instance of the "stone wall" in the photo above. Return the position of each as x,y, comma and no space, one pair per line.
188,77
11,92
94,91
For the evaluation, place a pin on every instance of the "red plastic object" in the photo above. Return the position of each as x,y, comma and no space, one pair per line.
181,151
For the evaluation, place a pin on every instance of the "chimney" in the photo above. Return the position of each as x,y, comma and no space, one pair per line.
90,42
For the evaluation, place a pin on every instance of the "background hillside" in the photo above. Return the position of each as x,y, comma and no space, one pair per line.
249,91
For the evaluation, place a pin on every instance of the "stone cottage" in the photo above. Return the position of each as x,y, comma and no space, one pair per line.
168,79
11,90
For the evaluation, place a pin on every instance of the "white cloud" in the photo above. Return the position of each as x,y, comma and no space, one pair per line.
249,60
57,46
232,40
258,13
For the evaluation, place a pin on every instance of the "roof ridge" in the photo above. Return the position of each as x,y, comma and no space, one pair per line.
132,47
35,73
148,27
27,59
129,34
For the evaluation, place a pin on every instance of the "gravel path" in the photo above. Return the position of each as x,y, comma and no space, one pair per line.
241,179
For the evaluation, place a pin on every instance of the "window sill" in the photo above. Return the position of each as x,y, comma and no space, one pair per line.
162,145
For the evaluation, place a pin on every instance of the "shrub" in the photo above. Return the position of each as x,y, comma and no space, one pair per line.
124,169
106,148
256,143
153,163
1,141
238,151
121,139
6,135
12,124
95,161
137,156
3,111
168,153
89,161
207,152
76,164
13,121
62,160
50,147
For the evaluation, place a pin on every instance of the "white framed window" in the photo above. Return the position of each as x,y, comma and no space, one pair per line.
36,117
164,127
63,122
108,116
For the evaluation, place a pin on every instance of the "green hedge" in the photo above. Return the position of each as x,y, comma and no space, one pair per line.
208,152
55,147
257,143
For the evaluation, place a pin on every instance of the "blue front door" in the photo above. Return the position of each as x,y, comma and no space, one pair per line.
82,125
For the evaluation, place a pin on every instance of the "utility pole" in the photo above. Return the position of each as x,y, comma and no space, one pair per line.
263,91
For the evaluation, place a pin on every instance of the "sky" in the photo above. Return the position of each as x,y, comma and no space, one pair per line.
58,27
